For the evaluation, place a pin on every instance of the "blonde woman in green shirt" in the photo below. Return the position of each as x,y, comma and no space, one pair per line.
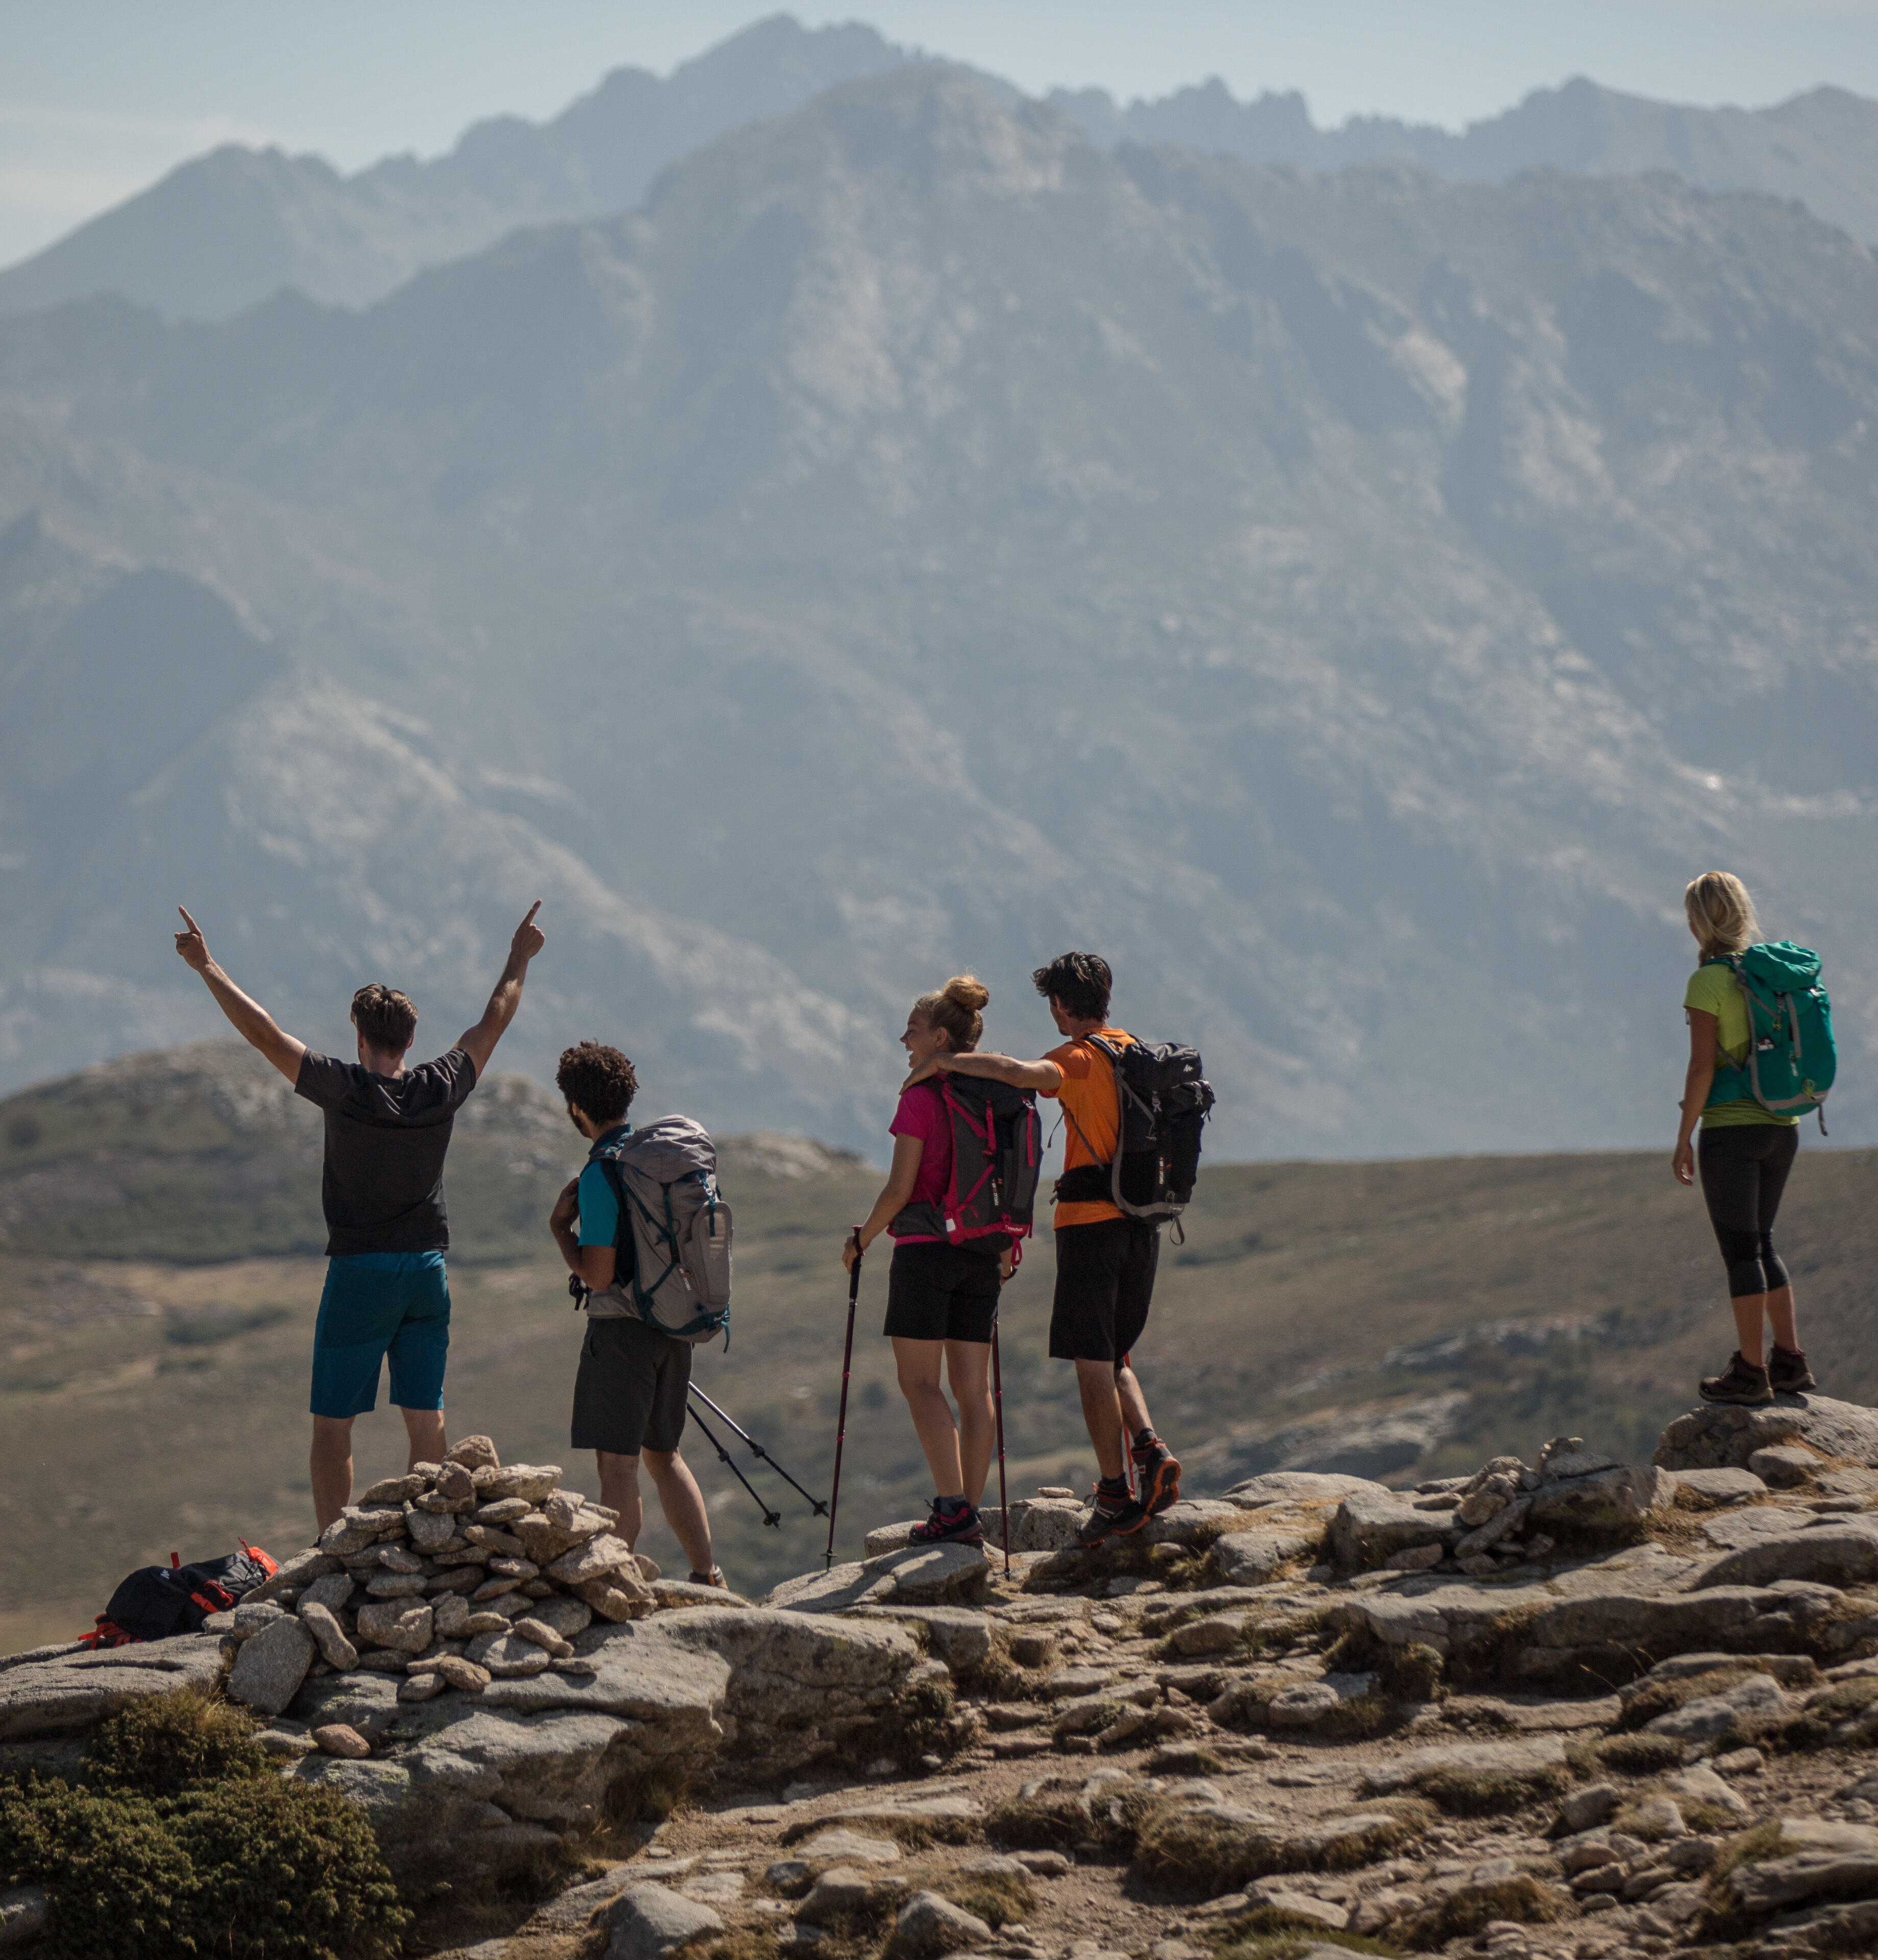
1744,1154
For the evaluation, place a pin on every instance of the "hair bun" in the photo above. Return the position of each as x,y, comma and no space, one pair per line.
967,991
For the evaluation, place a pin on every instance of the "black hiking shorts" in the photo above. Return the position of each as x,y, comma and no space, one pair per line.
1104,1284
938,1292
630,1393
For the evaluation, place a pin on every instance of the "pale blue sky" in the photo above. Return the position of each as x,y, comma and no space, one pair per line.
98,98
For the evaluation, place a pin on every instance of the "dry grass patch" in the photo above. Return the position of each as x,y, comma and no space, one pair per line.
1522,1897
1722,1917
1627,1755
742,1942
1061,1816
1633,1818
1249,1939
1468,1793
1643,1704
916,1833
1196,1850
996,1898
1171,1761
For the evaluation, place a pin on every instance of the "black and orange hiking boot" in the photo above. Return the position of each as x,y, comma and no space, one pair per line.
1156,1473
1743,1382
1788,1372
1113,1513
953,1522
714,1578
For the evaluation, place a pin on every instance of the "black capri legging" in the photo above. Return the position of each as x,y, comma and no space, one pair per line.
1744,1168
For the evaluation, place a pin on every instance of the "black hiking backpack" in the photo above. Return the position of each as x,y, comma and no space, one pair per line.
1164,1102
997,1158
160,1600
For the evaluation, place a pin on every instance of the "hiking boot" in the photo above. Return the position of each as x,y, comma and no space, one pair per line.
945,1526
1740,1381
715,1577
1157,1475
1787,1374
1113,1513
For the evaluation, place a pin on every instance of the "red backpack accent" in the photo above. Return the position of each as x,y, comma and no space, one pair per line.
997,1157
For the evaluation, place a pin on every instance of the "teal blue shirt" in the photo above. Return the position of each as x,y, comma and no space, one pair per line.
599,1208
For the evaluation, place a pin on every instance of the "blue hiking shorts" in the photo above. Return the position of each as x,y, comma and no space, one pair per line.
378,1305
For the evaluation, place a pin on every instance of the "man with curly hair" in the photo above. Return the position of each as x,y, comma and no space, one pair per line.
629,1397
388,1128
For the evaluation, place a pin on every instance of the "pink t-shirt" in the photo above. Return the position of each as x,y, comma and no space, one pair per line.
922,1114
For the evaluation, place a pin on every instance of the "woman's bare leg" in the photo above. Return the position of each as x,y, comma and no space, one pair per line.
917,1363
968,1369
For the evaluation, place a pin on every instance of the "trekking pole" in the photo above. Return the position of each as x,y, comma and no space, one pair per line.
769,1517
841,1426
817,1508
997,1411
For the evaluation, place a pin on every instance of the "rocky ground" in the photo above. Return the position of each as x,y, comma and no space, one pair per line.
1563,1707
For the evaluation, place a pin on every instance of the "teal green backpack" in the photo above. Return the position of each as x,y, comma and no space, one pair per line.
1790,1059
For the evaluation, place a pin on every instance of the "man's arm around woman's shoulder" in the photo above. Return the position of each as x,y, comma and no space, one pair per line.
1044,1077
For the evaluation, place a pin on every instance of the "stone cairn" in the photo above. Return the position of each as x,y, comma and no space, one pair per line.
456,1574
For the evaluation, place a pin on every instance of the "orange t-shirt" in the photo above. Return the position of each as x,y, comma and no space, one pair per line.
1087,1093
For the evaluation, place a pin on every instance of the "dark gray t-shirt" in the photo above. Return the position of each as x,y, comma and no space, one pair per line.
382,1186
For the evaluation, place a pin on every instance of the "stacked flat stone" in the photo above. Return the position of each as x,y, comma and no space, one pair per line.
456,1574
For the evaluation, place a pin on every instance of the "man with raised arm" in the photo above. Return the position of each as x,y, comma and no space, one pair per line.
388,1128
1105,1260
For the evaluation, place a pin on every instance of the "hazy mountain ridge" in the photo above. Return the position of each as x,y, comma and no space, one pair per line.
917,539
204,1153
223,231
278,783
1820,147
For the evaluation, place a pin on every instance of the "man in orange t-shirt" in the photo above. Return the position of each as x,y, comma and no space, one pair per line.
1105,1260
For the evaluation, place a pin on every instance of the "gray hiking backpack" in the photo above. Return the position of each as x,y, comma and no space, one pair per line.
665,1177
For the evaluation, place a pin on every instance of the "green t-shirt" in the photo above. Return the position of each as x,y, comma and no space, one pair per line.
1715,991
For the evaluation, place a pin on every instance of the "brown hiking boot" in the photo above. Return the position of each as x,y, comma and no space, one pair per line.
1113,1513
1740,1381
1788,1372
1157,1475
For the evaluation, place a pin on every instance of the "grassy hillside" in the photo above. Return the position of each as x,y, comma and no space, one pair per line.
1398,1319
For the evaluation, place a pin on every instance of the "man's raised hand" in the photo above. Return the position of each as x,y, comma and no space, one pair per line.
529,939
193,947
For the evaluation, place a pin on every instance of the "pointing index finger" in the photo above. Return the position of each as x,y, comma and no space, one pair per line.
532,911
193,926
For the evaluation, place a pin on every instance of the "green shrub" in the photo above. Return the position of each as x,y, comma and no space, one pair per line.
161,1745
225,1862
117,1881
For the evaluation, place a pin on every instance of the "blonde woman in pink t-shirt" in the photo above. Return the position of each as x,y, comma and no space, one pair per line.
942,1298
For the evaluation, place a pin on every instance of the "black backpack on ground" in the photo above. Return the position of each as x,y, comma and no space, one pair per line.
1164,1102
160,1600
